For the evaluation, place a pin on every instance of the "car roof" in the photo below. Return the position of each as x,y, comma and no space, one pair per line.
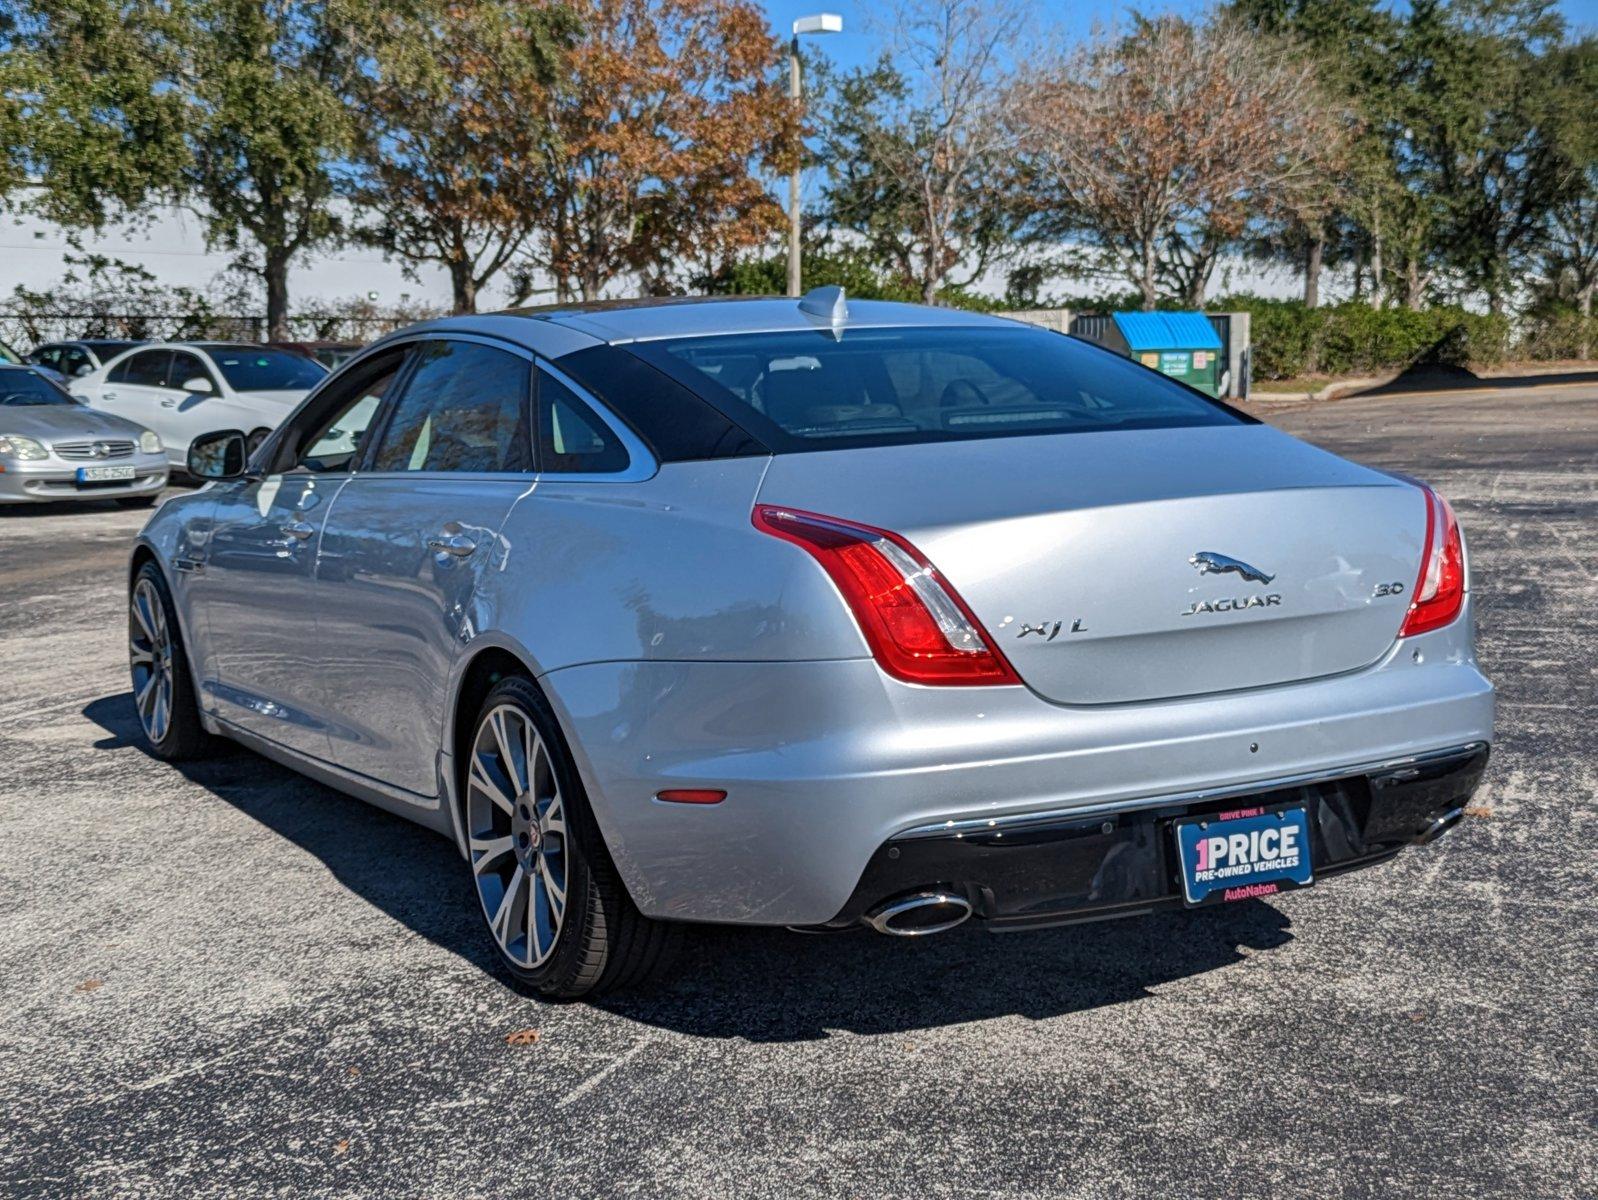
557,329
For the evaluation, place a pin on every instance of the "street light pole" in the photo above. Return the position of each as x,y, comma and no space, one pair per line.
820,23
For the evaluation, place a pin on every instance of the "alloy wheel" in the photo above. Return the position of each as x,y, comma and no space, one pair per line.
516,822
150,654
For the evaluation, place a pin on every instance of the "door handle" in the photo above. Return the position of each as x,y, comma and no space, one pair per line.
299,530
456,544
105,395
169,404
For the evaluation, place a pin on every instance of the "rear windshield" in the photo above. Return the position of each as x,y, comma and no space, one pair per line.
24,389
896,386
251,370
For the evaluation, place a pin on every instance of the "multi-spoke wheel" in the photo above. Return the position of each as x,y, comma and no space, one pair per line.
558,914
518,845
163,692
150,652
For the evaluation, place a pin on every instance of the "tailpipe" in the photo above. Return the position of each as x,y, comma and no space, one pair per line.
919,913
1437,826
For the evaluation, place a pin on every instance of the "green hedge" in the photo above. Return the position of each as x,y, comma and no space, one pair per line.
1290,340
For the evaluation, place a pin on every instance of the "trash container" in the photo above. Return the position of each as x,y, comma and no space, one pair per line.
1183,345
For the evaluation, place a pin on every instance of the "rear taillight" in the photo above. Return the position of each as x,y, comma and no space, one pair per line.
1440,590
918,628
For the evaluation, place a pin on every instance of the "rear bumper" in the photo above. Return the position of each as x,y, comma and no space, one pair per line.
827,763
1064,868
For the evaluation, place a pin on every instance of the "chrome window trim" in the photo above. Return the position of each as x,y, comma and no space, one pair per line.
1014,821
641,464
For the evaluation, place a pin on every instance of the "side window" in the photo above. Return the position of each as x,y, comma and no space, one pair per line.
571,437
147,368
74,362
185,367
334,444
462,409
49,356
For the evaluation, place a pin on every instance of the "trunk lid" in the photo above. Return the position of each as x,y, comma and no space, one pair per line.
1141,565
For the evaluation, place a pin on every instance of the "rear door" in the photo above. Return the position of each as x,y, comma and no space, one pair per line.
134,388
406,547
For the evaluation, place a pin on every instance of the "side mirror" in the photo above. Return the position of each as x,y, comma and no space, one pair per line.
199,385
219,455
83,369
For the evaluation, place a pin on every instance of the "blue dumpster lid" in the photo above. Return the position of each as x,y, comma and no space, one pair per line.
1167,331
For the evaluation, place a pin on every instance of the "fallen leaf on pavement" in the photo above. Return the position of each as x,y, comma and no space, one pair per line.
89,985
1478,810
342,1146
523,1037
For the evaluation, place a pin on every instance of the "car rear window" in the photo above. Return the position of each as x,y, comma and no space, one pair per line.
805,390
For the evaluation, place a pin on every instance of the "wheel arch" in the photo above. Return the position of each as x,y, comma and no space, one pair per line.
494,658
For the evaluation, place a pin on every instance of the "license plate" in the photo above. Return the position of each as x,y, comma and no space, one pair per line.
101,474
1244,854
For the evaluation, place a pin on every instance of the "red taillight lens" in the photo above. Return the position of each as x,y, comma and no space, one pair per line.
692,795
1440,590
918,628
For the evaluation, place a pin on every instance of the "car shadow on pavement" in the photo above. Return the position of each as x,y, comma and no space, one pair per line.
762,985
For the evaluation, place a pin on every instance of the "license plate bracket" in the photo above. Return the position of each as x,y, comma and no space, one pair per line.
1243,853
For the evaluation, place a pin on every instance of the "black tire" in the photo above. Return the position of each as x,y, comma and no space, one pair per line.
181,736
137,501
603,943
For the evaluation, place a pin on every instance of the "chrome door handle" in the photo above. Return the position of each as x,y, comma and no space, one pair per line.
105,395
299,530
169,404
457,544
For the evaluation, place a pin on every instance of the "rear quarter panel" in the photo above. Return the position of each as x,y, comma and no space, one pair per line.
670,568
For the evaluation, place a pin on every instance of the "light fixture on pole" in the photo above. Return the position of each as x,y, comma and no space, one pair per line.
820,23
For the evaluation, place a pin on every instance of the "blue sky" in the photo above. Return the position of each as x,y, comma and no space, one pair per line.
856,45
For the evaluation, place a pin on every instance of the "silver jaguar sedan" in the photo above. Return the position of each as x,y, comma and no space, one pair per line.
54,448
818,614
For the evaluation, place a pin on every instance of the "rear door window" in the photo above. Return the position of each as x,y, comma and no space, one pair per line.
464,408
147,368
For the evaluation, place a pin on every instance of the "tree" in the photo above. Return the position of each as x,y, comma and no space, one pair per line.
659,117
1349,42
445,141
920,160
1572,238
87,107
265,126
1476,135
1165,144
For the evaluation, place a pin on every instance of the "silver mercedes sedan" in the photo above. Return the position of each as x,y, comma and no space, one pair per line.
819,614
53,447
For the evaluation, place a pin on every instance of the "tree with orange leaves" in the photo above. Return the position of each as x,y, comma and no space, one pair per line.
446,138
660,115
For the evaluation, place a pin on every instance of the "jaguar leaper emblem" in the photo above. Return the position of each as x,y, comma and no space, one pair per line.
1209,562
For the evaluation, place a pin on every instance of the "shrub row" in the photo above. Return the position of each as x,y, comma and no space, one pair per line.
1290,340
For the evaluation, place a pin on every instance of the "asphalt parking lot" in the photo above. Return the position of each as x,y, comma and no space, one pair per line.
228,980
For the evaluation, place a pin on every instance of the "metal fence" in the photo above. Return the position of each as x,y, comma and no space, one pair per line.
22,330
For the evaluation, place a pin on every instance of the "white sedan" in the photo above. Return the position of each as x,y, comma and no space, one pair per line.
185,389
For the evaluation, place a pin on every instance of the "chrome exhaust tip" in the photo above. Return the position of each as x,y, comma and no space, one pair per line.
1437,826
919,914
